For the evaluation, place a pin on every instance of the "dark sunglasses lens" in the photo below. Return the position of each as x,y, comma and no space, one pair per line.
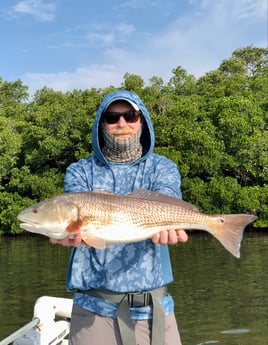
131,116
113,117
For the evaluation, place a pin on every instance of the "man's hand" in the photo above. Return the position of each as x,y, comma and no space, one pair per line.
170,237
70,241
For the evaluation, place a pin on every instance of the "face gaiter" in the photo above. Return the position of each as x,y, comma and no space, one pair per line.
121,150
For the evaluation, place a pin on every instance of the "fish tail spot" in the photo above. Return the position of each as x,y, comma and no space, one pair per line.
230,231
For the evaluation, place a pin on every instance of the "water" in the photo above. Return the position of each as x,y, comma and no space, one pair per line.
218,299
221,299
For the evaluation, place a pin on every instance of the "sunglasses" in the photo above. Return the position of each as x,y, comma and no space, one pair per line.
112,117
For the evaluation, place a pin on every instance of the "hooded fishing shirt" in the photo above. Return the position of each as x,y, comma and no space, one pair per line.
122,268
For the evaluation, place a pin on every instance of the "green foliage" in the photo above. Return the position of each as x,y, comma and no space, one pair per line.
10,147
10,205
214,128
133,82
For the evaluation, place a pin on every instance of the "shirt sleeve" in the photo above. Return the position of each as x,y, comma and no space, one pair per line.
76,178
167,178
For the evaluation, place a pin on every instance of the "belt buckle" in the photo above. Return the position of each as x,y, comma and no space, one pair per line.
138,299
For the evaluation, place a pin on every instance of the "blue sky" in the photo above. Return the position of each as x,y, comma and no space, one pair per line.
64,44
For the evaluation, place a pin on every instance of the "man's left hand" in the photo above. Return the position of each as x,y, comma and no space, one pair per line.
170,237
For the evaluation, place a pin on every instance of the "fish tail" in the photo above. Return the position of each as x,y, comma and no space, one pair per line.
230,232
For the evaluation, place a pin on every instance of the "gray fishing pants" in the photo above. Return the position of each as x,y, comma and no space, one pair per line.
90,329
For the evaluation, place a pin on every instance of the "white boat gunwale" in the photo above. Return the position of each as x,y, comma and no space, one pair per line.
49,326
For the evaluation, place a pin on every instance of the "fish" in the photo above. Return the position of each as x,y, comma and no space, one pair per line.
104,218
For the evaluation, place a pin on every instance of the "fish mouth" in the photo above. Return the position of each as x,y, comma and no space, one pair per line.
29,226
26,223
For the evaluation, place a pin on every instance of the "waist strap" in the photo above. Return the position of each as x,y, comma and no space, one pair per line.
126,300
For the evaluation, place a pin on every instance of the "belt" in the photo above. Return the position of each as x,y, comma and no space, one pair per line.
125,301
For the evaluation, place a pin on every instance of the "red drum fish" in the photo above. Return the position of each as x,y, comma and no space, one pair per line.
105,218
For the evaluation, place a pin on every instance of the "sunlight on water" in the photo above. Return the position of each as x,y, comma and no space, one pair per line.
235,331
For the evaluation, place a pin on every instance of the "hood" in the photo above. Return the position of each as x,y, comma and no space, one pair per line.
147,137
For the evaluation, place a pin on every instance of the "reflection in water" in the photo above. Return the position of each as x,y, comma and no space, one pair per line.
219,299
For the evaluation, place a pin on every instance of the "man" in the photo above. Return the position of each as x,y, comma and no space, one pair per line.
121,295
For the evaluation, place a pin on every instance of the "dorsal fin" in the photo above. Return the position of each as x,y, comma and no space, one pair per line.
155,196
102,191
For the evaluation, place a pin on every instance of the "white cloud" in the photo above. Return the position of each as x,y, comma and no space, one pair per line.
251,9
82,78
140,4
116,53
198,42
124,29
102,38
107,35
39,10
230,10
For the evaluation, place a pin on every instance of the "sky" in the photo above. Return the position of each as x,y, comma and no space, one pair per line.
67,44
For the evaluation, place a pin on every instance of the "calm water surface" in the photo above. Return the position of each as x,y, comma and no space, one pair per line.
218,299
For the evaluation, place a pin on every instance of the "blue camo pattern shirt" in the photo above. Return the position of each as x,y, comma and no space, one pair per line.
132,267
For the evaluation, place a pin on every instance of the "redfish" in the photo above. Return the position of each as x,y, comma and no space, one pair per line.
104,218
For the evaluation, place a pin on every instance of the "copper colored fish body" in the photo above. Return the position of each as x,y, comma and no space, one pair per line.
104,218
